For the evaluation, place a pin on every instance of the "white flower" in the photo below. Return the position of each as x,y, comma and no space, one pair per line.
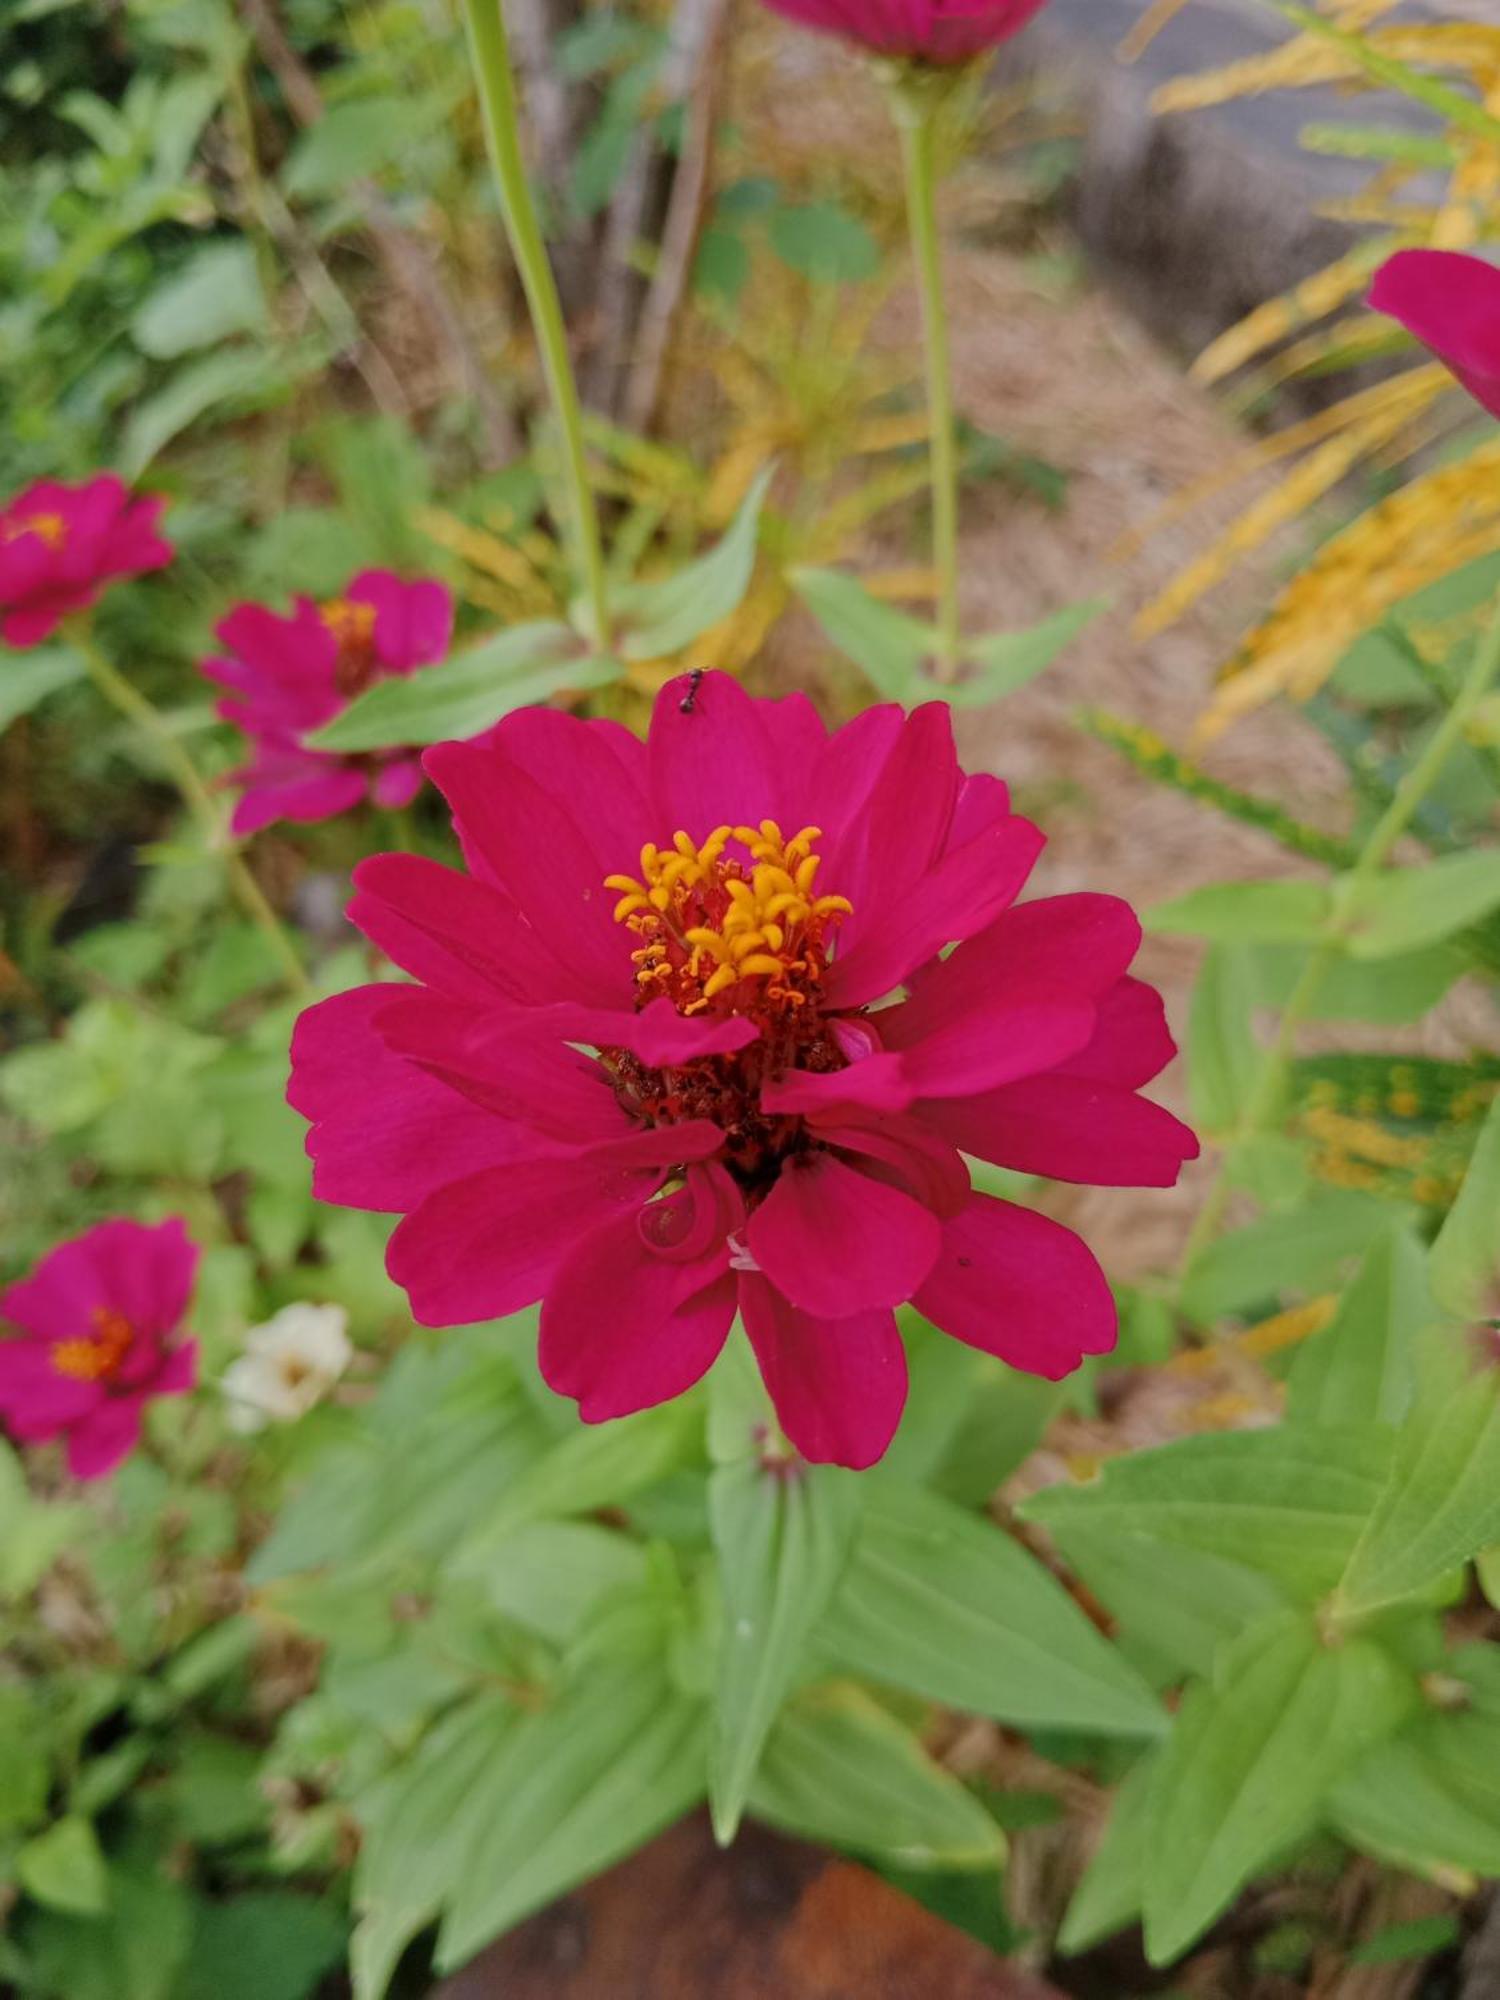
288,1365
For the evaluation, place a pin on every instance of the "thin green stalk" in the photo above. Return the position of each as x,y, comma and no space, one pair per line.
497,92
1413,788
133,705
916,112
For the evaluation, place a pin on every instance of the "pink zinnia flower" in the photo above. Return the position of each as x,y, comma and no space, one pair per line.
60,545
290,675
1451,302
941,32
98,1321
644,1077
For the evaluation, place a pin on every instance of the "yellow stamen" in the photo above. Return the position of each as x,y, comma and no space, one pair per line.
98,1355
50,528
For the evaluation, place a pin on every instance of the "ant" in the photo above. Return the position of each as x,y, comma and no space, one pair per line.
686,705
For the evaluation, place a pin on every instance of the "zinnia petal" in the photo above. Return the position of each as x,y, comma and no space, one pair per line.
838,1385
836,1242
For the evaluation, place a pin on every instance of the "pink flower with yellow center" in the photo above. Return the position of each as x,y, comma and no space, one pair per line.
288,675
98,1337
683,1044
1451,303
60,546
939,32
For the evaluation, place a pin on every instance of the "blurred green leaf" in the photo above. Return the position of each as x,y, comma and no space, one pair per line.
889,647
1464,1265
1292,912
64,1869
661,617
824,242
1359,1369
29,678
1406,909
1222,1055
216,293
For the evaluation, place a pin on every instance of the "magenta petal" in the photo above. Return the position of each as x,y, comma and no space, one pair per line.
658,1034
384,1133
959,897
107,1435
878,1083
489,1244
36,1399
836,1242
712,763
848,768
838,1386
984,1047
1131,1043
1018,1285
179,1370
413,621
903,1151
1451,302
886,849
397,783
580,764
462,936
1068,1128
624,1328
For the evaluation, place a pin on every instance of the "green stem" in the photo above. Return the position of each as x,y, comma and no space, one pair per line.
916,112
1413,788
133,705
497,91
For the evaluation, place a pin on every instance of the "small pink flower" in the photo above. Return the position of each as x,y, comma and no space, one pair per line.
98,1321
291,674
60,545
748,1131
939,32
1451,303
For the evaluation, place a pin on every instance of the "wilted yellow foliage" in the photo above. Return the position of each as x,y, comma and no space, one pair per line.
1313,299
1437,524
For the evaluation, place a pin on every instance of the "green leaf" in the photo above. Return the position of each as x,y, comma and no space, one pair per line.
1251,1759
824,242
782,1533
1288,1502
940,1602
889,647
662,617
1406,909
1305,1249
242,378
349,142
1223,1059
1441,1504
838,1768
25,1766
548,1575
1291,912
1392,992
1464,1265
1109,1896
64,1869
1006,661
577,1785
29,678
1359,1369
134,1951
1414,1802
1418,1937
468,693
216,293
263,1944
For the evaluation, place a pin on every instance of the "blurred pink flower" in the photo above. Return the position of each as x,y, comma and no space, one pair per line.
60,545
752,1132
940,32
99,1320
291,674
1451,302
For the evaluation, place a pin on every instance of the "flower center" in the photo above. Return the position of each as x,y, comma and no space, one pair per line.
353,629
51,528
751,934
96,1356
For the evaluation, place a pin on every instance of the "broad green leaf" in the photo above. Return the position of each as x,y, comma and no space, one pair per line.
578,1784
838,1768
661,618
470,692
1109,1896
1392,992
64,1869
1305,1249
1175,1604
1006,1419
888,646
1409,908
28,678
1288,1502
348,142
1441,1504
943,1603
419,1826
1412,1805
133,1951
25,1766
262,1944
995,664
824,242
1417,1937
600,1466
1293,912
216,293
1251,1759
1359,1369
782,1534
235,379
1222,1057
1464,1265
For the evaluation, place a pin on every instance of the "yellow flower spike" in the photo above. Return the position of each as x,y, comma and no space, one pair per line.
761,962
718,982
806,870
626,904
